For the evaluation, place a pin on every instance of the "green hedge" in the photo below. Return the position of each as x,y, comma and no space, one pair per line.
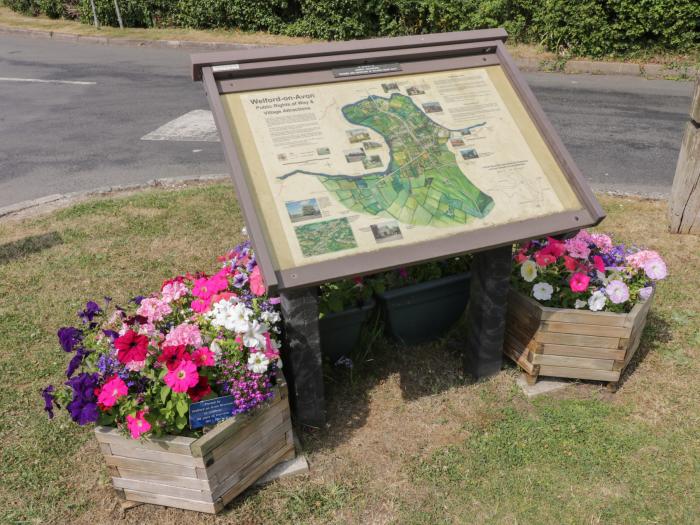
582,27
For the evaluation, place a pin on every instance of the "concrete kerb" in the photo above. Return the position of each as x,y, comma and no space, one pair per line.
525,64
61,200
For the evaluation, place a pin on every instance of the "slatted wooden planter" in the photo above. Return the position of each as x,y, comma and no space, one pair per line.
201,474
579,344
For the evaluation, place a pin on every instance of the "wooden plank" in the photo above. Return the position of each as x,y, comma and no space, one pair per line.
577,340
569,315
225,429
129,450
159,477
518,353
579,373
252,445
163,489
237,474
585,329
583,351
684,204
173,444
255,472
106,449
269,417
169,501
518,301
151,466
574,362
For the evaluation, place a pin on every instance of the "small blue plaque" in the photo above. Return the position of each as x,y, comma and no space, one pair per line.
211,411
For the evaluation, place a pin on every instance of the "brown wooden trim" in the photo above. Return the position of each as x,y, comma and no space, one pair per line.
202,60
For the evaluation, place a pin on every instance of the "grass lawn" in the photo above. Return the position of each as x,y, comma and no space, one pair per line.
409,440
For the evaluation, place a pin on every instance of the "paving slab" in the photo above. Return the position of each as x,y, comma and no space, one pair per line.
544,385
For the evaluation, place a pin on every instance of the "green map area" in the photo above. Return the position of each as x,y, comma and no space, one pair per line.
423,184
323,237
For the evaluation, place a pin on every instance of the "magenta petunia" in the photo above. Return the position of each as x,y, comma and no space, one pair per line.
579,282
131,347
183,377
137,424
111,391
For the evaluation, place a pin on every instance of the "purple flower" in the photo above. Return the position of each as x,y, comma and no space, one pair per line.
251,265
77,360
645,292
275,300
69,337
137,299
47,394
240,280
83,406
91,310
111,334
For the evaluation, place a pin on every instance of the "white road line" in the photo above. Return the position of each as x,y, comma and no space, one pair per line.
42,81
197,126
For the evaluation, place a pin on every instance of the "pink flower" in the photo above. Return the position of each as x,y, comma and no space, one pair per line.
153,309
200,305
183,377
655,269
184,334
617,291
203,357
638,259
603,242
570,263
520,257
137,424
173,291
579,282
111,391
598,263
204,288
578,248
645,293
271,350
554,247
257,285
544,259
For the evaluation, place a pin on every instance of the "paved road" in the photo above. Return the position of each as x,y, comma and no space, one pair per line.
86,132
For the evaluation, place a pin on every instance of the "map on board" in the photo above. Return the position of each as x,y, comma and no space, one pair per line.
422,184
356,166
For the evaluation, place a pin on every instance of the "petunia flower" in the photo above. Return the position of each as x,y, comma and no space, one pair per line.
598,263
173,355
131,347
579,282
543,258
655,269
645,292
528,270
257,285
137,424
183,377
617,291
200,390
111,391
542,291
47,394
203,357
69,337
596,301
83,406
258,362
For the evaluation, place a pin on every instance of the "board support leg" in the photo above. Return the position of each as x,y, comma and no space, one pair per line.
531,379
486,313
302,356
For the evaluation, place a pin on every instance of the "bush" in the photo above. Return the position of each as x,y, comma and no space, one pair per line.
581,27
247,15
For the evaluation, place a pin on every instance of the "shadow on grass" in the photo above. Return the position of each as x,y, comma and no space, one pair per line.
423,370
27,246
657,332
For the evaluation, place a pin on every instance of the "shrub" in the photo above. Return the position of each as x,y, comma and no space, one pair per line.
247,15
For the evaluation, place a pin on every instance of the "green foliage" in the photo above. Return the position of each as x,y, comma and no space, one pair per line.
247,15
583,27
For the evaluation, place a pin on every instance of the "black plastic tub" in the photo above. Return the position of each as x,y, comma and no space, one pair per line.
423,312
340,331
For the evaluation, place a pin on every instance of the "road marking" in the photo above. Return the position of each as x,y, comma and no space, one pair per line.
42,81
197,126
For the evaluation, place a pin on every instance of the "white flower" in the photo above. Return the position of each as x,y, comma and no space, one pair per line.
645,293
270,317
254,337
596,301
258,363
542,291
216,350
528,270
231,316
580,304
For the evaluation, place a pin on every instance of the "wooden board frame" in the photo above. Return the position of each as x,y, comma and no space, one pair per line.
263,68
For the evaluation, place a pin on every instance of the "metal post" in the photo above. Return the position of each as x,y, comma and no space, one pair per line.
486,313
302,355
94,13
119,15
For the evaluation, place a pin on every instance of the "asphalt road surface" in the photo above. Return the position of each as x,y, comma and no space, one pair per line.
72,118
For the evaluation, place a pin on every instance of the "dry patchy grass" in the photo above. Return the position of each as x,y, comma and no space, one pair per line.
409,440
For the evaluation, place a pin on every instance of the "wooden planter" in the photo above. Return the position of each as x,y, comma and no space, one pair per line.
201,474
563,342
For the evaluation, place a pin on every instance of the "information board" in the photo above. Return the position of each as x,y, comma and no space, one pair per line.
393,159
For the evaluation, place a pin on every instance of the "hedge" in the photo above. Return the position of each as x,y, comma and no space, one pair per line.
581,27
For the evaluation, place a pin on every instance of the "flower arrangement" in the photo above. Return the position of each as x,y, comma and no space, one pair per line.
139,368
587,271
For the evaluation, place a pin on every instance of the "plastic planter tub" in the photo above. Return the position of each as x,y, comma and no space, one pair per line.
340,331
423,312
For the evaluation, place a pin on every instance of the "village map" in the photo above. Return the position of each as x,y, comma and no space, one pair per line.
356,166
